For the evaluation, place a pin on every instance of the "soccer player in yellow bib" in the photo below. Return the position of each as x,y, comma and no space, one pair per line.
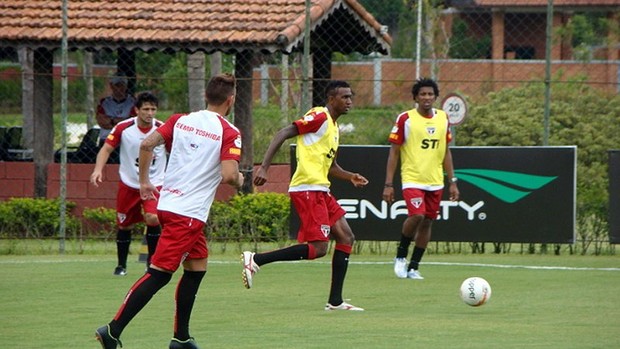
320,214
420,139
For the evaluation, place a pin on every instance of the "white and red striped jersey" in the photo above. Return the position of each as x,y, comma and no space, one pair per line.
128,136
198,143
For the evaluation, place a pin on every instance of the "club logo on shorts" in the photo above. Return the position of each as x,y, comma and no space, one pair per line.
121,217
325,229
416,202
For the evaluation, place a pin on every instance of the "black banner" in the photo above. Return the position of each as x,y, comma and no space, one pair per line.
508,194
614,196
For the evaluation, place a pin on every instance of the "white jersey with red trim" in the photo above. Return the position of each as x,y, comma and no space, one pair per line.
128,136
198,143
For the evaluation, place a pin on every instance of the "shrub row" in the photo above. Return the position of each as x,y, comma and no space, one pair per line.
35,218
255,217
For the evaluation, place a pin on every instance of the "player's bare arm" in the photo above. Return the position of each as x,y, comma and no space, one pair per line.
449,169
285,133
147,189
390,169
102,158
230,173
338,172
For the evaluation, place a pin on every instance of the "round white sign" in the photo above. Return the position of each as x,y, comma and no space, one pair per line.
456,108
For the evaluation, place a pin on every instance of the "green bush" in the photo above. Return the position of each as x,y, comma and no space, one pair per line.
34,218
252,217
11,90
580,115
99,221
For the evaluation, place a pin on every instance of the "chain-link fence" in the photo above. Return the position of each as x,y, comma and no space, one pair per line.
472,48
468,48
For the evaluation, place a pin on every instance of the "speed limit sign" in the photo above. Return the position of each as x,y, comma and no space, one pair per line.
454,105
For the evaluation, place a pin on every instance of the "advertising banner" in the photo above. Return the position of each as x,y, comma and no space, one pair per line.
508,194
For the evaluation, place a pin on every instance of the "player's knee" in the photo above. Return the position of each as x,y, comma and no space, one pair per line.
151,219
320,249
126,227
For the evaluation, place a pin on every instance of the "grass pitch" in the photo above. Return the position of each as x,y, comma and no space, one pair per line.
51,301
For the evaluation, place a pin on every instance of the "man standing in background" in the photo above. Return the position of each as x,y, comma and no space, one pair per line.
420,139
114,108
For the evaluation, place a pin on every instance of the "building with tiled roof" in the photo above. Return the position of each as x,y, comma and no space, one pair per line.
574,4
240,27
517,27
190,25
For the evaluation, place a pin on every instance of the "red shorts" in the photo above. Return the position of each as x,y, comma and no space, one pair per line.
422,202
129,205
318,211
181,238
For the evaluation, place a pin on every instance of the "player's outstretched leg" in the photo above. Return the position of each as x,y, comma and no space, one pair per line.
106,339
249,268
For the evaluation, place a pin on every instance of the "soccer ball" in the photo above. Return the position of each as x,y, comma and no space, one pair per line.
475,291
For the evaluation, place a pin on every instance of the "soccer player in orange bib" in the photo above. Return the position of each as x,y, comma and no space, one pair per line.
320,214
420,141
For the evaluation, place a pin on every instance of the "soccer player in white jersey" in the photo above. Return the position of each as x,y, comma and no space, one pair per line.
320,214
420,139
204,151
128,135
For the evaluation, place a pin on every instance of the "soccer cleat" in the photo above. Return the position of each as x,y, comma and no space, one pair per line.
179,344
343,306
400,268
105,338
120,271
414,274
249,268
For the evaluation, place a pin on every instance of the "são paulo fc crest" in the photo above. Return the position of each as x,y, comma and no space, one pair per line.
325,229
431,130
121,217
416,202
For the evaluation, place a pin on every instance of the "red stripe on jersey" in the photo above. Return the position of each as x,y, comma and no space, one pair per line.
310,122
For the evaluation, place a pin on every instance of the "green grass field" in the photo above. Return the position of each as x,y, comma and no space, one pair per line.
57,301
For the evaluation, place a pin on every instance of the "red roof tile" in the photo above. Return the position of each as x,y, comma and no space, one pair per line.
226,25
534,3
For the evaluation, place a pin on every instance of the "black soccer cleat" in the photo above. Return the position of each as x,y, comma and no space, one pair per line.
187,344
120,271
105,338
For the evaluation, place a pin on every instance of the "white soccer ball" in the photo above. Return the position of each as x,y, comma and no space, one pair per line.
475,291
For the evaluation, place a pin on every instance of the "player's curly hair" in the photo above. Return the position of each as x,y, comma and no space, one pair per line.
146,97
424,82
333,86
